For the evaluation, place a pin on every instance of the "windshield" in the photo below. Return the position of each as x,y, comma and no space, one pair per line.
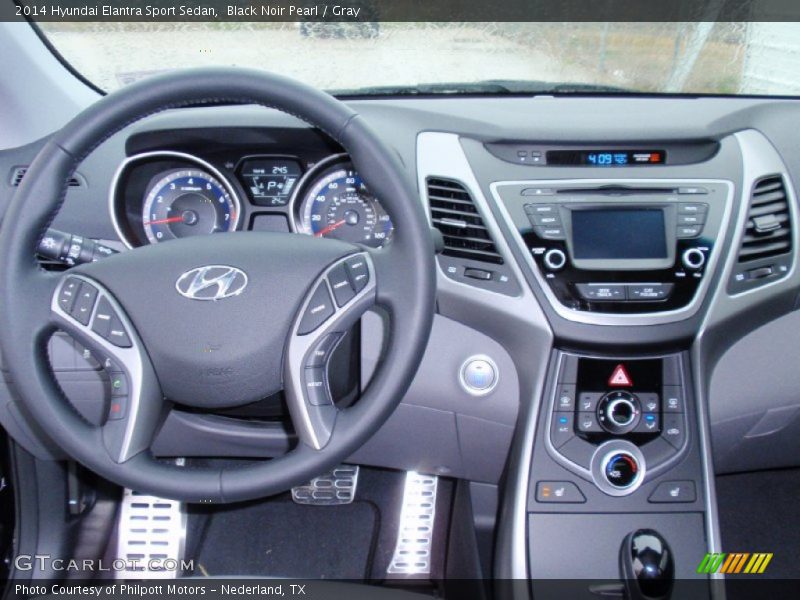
451,58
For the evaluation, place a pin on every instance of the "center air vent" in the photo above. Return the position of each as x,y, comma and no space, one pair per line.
454,214
17,173
768,227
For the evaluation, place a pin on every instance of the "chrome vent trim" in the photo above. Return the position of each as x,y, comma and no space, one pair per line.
768,227
454,214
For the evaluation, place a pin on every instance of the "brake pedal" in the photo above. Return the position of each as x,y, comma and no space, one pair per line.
412,553
330,489
151,536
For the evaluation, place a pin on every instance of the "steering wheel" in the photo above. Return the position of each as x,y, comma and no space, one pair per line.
211,323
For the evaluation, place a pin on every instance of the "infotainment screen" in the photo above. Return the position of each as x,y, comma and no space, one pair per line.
618,234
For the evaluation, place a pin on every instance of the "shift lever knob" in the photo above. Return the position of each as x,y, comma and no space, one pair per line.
647,566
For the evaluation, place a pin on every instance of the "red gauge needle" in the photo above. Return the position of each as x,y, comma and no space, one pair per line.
330,228
167,220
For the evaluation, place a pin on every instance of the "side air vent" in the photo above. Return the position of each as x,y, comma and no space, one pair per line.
454,214
17,173
768,227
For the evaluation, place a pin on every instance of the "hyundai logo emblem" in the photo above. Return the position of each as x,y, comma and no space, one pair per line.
211,282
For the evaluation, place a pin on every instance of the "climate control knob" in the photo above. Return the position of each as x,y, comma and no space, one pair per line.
621,469
619,412
693,258
555,259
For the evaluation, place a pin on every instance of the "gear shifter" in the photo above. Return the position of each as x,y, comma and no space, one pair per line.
647,566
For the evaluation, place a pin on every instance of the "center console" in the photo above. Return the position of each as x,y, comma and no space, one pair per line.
616,451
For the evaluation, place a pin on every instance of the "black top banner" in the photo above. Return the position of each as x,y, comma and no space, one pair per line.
399,10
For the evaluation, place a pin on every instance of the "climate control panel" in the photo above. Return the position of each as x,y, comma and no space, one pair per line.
612,421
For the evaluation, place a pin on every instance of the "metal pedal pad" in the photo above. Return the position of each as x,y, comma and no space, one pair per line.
151,537
330,489
412,553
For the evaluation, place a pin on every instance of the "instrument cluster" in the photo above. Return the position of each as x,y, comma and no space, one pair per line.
158,196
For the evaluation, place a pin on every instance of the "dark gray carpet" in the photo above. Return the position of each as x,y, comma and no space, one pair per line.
279,538
760,512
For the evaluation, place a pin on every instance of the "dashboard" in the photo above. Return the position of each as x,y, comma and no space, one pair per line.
202,188
694,289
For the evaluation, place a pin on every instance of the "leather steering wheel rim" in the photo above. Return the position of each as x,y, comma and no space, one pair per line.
405,273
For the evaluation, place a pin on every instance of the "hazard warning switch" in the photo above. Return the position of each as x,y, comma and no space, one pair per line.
620,377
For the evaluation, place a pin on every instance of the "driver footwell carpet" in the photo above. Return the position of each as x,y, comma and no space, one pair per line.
278,538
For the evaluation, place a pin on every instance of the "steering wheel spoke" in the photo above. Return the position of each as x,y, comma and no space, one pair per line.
88,312
337,299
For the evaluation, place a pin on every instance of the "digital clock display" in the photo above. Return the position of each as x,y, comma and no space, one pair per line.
606,158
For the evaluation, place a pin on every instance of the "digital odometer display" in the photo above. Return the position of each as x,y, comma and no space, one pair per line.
270,181
606,158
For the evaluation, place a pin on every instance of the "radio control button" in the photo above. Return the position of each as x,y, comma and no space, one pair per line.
601,292
555,259
547,220
649,291
692,208
694,190
693,259
692,219
689,231
549,232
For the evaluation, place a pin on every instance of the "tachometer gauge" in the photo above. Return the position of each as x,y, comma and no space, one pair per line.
187,202
338,205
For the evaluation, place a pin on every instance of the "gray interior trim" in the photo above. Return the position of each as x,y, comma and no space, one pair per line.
441,154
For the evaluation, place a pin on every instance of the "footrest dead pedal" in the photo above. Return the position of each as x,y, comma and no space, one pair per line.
330,489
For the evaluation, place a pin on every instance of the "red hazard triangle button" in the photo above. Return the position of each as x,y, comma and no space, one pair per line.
620,377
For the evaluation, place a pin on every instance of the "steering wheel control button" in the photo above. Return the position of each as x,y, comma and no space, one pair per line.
673,491
621,470
674,430
82,309
618,468
619,412
316,387
68,294
320,354
119,384
320,309
103,318
478,375
561,429
118,409
117,334
343,290
561,492
358,271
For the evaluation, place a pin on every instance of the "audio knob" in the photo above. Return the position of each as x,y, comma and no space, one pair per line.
555,259
694,259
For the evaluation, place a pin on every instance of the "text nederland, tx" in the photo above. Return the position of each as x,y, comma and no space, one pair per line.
172,589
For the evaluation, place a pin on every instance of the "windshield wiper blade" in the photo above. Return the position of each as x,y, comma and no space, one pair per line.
489,86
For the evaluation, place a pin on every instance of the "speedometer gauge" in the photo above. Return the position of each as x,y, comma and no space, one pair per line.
338,205
187,202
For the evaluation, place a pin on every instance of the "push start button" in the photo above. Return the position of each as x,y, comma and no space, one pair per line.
478,375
